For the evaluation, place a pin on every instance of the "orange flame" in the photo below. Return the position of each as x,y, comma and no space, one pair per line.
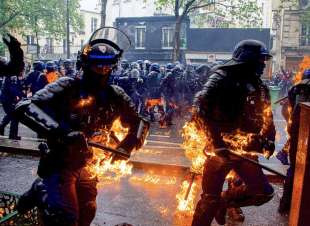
85,102
194,143
305,64
187,206
119,131
151,178
101,164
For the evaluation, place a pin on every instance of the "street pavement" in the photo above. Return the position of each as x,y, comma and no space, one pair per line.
140,203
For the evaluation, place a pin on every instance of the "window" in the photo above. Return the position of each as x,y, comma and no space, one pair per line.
49,45
93,25
82,43
305,35
140,37
167,37
30,40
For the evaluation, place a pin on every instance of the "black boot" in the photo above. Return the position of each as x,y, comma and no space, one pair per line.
32,198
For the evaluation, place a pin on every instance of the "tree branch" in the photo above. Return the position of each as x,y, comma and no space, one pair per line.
186,7
199,6
208,4
9,19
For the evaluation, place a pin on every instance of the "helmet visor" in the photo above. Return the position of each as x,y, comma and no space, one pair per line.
113,35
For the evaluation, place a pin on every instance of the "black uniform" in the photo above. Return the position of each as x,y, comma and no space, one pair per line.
233,101
11,93
300,92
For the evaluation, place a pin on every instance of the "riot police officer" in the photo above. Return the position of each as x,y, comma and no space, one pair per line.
300,92
32,78
235,100
11,93
69,68
68,113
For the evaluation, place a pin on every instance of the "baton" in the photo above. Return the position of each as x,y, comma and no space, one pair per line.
108,149
222,152
279,100
190,186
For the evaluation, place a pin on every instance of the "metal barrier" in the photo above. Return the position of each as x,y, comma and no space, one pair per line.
9,214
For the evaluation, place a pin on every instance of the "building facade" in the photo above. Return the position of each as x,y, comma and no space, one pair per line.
290,35
152,39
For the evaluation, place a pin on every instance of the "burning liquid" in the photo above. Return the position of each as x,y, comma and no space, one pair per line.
151,178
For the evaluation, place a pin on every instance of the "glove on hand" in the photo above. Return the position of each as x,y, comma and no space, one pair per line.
12,43
282,156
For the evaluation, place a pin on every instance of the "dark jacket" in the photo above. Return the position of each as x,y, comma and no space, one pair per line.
233,100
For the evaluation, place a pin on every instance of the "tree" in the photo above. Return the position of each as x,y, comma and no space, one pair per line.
103,12
40,17
244,13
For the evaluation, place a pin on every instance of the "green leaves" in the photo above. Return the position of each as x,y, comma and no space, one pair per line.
39,16
219,13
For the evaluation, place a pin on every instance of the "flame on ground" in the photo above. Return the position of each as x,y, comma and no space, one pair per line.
151,178
187,206
101,165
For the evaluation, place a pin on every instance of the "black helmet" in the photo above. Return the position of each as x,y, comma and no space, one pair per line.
250,51
306,74
177,70
140,62
155,67
51,66
169,66
38,66
124,64
104,50
68,64
203,68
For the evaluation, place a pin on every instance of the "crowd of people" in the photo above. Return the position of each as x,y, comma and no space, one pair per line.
159,92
